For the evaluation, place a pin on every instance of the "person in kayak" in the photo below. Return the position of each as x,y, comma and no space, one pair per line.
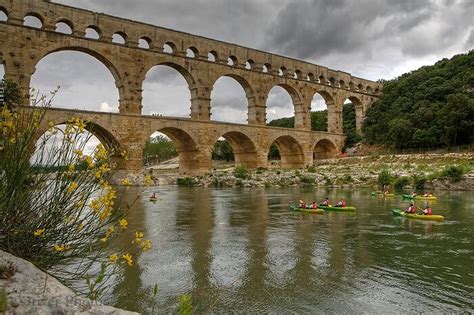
314,205
153,196
413,194
302,204
427,211
325,202
411,209
341,203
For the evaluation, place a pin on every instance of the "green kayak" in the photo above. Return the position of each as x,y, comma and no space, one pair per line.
295,207
333,208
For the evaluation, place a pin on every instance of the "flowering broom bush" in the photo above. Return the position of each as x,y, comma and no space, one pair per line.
57,208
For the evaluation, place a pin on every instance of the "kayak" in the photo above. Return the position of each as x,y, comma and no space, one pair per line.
294,207
382,194
333,208
433,217
153,199
419,197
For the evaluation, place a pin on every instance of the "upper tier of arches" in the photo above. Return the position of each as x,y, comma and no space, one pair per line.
143,36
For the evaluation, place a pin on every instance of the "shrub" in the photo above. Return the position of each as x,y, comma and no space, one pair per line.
311,169
241,172
307,179
455,173
384,178
419,182
61,225
401,182
347,179
186,181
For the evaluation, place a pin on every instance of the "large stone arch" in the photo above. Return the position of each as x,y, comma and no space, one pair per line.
245,151
291,151
324,149
116,74
246,86
187,147
359,111
297,100
181,69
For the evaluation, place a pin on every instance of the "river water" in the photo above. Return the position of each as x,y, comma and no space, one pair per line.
242,250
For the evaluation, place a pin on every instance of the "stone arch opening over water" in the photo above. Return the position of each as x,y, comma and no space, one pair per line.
86,80
186,148
290,153
238,147
166,91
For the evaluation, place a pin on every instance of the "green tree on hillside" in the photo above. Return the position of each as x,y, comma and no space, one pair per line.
429,107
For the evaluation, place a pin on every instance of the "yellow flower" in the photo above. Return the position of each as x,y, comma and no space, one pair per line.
148,180
94,205
80,227
109,232
79,123
59,248
78,153
113,258
145,245
128,259
126,182
123,223
39,232
80,204
101,152
138,236
12,140
72,167
89,161
72,187
104,239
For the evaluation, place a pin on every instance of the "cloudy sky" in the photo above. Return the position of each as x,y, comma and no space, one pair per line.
369,38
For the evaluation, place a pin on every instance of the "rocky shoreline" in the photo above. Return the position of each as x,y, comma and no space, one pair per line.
354,172
31,291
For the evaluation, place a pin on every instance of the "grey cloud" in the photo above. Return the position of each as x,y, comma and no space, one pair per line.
470,41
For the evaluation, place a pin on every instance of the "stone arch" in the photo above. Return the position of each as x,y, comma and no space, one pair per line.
119,38
322,80
282,72
266,67
185,146
232,61
192,52
324,149
213,56
297,74
247,88
249,64
93,32
145,42
36,16
291,152
296,100
99,57
106,137
3,14
310,77
245,152
359,111
66,22
368,90
169,48
180,86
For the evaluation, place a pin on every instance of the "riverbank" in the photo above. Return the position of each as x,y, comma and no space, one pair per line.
425,171
24,289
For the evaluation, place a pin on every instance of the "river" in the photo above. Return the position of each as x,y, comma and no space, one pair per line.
242,250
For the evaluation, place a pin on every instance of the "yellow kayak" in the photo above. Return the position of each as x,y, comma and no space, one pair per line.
307,210
419,197
433,217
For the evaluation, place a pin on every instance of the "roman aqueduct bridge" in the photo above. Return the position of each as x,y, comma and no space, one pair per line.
130,49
